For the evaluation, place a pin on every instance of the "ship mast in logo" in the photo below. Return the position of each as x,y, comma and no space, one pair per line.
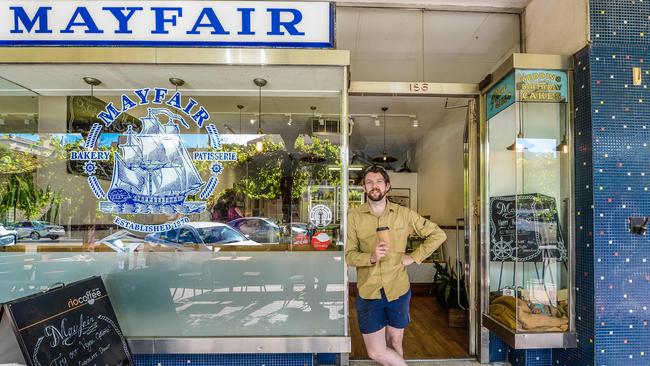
153,171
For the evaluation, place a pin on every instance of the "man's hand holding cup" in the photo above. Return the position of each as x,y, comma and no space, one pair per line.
382,248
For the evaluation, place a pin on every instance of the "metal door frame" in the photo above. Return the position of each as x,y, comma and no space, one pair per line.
478,341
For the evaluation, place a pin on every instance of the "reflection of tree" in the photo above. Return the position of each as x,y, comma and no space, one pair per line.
18,192
318,173
275,173
21,194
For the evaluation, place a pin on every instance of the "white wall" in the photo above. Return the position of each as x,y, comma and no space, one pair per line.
399,182
438,160
556,26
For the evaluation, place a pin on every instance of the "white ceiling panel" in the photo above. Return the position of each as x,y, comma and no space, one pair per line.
367,139
200,79
386,34
417,45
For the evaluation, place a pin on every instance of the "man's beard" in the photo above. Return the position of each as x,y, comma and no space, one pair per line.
380,195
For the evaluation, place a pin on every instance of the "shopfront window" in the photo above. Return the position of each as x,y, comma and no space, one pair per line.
529,202
227,225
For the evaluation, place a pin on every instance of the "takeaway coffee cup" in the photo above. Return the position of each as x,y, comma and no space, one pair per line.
382,234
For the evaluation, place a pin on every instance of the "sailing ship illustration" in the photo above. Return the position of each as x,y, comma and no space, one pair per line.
153,171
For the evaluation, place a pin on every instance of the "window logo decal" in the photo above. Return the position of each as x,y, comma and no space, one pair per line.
153,171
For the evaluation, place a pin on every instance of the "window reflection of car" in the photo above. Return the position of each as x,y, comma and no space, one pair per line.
122,241
38,229
7,237
264,230
199,236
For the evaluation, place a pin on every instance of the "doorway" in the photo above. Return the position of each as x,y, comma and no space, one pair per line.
431,140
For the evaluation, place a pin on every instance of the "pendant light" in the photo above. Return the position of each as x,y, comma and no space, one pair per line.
518,145
176,82
259,145
563,147
92,82
312,158
240,107
384,157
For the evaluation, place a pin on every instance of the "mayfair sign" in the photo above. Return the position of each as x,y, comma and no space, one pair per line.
167,23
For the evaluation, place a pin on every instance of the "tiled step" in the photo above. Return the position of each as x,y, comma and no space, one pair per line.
430,363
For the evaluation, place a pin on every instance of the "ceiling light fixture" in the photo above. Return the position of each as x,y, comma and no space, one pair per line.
518,144
240,107
260,83
92,82
563,146
176,82
384,157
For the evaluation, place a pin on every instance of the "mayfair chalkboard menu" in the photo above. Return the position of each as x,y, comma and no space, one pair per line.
525,228
71,325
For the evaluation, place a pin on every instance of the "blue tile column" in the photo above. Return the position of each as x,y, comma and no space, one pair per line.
613,148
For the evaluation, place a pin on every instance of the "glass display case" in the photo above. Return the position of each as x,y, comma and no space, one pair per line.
529,208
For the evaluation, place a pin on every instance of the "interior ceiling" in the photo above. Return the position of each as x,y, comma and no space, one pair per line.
497,4
385,45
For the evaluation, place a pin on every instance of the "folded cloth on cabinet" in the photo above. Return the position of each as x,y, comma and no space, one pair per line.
504,309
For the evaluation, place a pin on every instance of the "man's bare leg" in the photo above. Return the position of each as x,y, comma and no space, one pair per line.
394,337
379,351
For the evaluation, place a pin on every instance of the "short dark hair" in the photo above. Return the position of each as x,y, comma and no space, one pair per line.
377,169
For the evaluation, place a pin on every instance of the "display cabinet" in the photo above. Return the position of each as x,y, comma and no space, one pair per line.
528,300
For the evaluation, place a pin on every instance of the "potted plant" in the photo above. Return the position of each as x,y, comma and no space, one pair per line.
445,287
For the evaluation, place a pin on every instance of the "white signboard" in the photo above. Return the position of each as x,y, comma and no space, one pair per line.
167,23
320,215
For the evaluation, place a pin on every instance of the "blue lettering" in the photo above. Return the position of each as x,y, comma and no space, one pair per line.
200,116
142,94
122,18
161,20
20,16
246,21
290,26
87,21
174,100
127,103
160,95
213,23
190,104
109,115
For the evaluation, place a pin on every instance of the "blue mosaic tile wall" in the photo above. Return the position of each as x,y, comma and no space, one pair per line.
530,357
584,183
621,156
266,359
621,163
498,349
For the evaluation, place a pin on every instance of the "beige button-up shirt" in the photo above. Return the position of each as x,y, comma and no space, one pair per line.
388,273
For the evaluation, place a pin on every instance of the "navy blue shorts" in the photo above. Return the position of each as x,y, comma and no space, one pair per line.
375,314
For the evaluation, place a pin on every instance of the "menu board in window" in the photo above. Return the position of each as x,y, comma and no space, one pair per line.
71,325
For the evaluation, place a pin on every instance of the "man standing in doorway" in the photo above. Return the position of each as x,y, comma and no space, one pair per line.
376,245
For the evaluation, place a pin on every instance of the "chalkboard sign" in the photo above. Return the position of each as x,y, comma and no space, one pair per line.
532,221
71,325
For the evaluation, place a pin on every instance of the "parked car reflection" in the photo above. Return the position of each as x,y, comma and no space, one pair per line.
265,230
7,237
38,229
199,236
122,241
